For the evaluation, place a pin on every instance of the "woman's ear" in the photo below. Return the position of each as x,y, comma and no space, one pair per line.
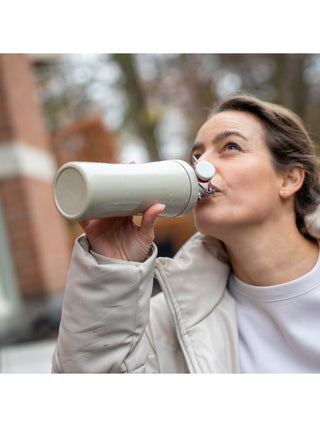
292,182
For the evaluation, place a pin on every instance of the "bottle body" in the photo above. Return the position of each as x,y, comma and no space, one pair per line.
85,190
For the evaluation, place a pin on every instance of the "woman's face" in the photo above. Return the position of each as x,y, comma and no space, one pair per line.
247,186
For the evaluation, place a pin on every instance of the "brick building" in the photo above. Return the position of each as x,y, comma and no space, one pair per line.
35,250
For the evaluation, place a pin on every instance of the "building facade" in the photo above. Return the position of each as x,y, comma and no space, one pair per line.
35,249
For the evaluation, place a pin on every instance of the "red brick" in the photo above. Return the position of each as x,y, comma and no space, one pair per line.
37,234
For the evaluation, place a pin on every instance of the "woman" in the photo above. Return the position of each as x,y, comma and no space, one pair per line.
242,295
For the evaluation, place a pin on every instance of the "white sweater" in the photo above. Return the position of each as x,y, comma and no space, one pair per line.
279,325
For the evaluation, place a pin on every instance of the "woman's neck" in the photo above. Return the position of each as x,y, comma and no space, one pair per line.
270,257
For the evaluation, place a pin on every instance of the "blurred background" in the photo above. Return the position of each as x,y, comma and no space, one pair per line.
56,108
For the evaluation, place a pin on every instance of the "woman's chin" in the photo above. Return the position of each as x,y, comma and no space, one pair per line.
204,222
211,223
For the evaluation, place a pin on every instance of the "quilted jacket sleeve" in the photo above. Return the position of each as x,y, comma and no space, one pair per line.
105,314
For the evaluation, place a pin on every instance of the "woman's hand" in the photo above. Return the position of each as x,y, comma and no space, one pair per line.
122,238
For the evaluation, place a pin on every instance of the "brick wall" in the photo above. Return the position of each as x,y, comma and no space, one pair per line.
37,234
23,116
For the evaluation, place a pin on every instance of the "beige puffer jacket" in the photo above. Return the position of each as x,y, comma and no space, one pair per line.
110,324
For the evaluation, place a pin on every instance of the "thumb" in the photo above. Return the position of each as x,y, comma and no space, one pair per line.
149,220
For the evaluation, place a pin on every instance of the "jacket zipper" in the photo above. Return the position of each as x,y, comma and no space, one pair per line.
167,296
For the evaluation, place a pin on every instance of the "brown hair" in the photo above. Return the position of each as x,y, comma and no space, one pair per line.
289,144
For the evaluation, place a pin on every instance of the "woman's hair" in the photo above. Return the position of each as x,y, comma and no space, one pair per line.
289,144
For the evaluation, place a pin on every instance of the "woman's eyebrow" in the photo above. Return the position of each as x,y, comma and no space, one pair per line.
226,134
197,146
218,138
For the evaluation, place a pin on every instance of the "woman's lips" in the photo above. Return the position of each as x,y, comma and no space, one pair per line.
216,189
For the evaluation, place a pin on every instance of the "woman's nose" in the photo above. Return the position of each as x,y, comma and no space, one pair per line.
207,156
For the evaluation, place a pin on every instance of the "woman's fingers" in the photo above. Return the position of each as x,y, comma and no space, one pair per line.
148,222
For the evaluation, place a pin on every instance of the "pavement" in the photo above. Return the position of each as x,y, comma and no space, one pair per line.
27,358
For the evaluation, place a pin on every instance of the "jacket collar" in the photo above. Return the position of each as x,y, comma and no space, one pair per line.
197,277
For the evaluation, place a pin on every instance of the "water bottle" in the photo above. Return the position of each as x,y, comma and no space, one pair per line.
89,190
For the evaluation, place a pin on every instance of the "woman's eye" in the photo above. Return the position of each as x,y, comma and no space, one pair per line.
232,146
197,156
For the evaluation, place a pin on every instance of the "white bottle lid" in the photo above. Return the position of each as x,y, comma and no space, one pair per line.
205,170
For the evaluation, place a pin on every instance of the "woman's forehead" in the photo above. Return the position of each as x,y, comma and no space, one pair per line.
238,121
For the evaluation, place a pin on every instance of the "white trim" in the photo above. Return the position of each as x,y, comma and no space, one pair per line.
20,159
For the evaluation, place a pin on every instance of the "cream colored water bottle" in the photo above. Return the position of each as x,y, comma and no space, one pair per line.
87,190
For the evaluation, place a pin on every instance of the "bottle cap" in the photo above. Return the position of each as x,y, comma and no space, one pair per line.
204,170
